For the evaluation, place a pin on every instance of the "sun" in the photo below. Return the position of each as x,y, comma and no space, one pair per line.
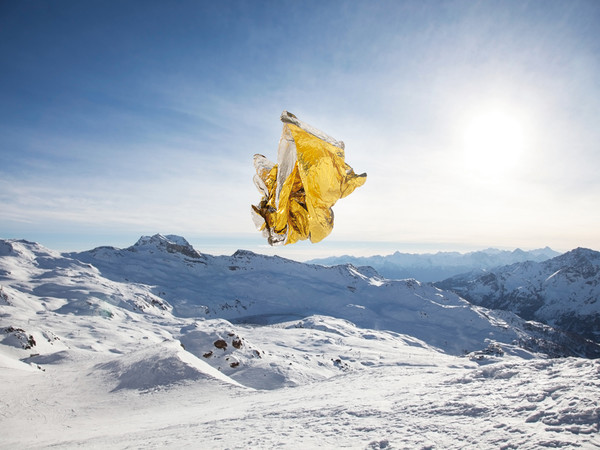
493,142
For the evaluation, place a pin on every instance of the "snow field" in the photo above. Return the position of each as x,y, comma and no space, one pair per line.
98,356
139,399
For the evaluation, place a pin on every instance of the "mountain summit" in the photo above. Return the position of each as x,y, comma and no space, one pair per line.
170,243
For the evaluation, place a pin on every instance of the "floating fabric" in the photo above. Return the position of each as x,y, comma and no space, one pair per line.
299,191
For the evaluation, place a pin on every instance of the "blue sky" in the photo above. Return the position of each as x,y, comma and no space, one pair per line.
477,122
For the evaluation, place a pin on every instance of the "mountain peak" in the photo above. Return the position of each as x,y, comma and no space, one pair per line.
171,243
580,255
22,247
244,254
160,239
584,251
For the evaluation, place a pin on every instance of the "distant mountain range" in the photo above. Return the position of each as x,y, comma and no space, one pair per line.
563,291
430,267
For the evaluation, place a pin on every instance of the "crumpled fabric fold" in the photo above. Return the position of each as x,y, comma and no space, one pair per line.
298,191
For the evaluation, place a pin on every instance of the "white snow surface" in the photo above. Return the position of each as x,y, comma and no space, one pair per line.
135,348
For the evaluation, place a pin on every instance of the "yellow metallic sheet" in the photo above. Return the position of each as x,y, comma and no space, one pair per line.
319,178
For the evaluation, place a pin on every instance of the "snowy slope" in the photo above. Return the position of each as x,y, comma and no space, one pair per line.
103,349
418,400
434,403
563,291
428,267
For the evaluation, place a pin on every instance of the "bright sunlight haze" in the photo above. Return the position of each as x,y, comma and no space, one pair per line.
494,142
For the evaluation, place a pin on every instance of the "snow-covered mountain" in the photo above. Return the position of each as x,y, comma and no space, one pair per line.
429,267
251,288
563,292
98,348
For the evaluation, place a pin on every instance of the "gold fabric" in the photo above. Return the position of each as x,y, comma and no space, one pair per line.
302,207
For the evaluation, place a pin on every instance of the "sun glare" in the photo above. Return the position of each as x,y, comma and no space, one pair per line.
493,143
